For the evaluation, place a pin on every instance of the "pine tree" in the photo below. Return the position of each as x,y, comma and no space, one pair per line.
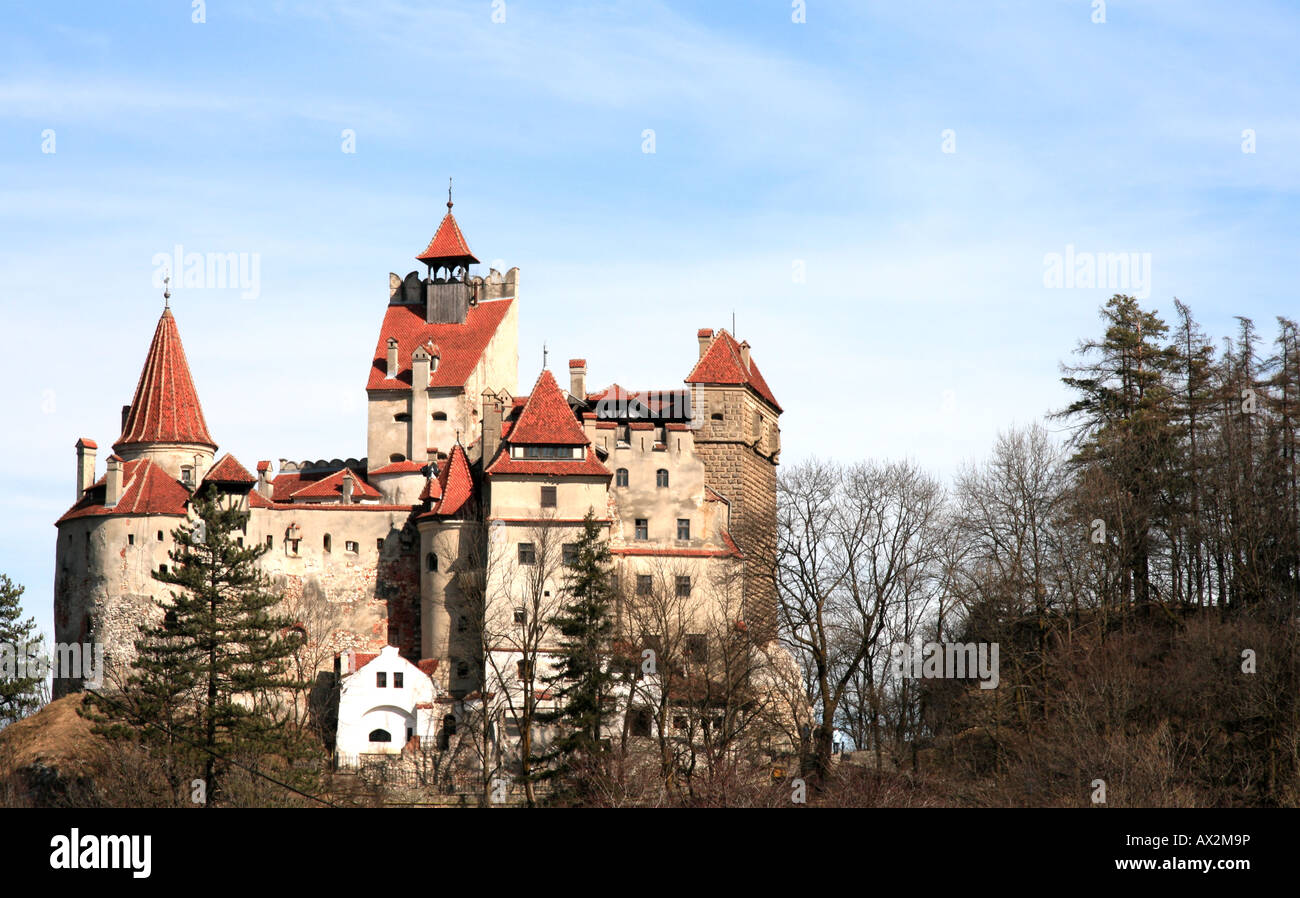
20,694
584,679
209,680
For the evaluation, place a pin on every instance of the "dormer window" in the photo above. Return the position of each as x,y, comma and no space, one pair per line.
549,451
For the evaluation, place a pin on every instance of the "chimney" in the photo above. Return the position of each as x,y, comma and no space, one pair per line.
491,425
348,486
85,465
113,482
392,357
706,337
744,355
264,479
578,378
419,433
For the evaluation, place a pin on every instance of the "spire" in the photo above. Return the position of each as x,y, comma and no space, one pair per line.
165,408
448,248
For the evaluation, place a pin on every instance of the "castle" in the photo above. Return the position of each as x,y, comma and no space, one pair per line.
462,474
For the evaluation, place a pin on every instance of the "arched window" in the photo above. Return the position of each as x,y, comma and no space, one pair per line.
396,457
449,724
381,736
440,416
329,544
431,562
661,477
620,477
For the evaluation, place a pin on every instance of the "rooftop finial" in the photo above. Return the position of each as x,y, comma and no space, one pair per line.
167,290
449,194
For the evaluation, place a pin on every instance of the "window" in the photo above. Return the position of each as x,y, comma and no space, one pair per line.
440,416
620,477
716,416
642,528
396,457
162,569
548,497
679,721
352,546
527,553
683,587
570,553
379,544
270,541
462,624
239,541
160,536
524,669
683,528
328,542
449,724
401,418
549,452
661,477
130,539
380,736
521,616
644,584
187,475
293,546
397,679
697,648
613,583
462,669
758,424
431,562
639,721
381,680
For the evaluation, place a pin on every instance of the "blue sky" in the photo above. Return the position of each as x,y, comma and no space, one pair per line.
922,325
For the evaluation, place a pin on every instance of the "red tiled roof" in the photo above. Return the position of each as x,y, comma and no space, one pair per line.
448,244
577,363
428,665
331,487
461,345
165,408
546,419
589,466
85,443
721,364
229,470
146,489
432,490
263,466
257,500
455,483
400,467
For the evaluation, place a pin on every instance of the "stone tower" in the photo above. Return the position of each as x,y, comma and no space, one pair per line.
739,441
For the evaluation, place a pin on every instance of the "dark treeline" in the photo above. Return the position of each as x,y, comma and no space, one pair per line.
1139,575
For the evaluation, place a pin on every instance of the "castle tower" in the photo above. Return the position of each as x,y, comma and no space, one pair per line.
443,341
739,441
164,422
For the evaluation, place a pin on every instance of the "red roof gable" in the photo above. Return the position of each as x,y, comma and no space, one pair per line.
331,487
589,466
546,418
461,345
448,244
146,489
455,483
165,408
722,364
229,470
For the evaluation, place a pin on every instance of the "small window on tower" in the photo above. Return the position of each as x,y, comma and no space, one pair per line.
270,541
187,475
402,417
620,477
130,539
160,536
440,416
396,457
462,669
642,528
431,562
548,497
352,546
661,477
328,543
683,528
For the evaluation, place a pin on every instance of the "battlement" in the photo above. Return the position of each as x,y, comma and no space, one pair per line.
321,466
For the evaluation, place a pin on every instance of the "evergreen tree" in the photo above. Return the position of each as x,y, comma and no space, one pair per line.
20,694
209,680
584,678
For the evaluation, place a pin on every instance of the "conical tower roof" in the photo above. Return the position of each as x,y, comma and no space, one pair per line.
165,408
